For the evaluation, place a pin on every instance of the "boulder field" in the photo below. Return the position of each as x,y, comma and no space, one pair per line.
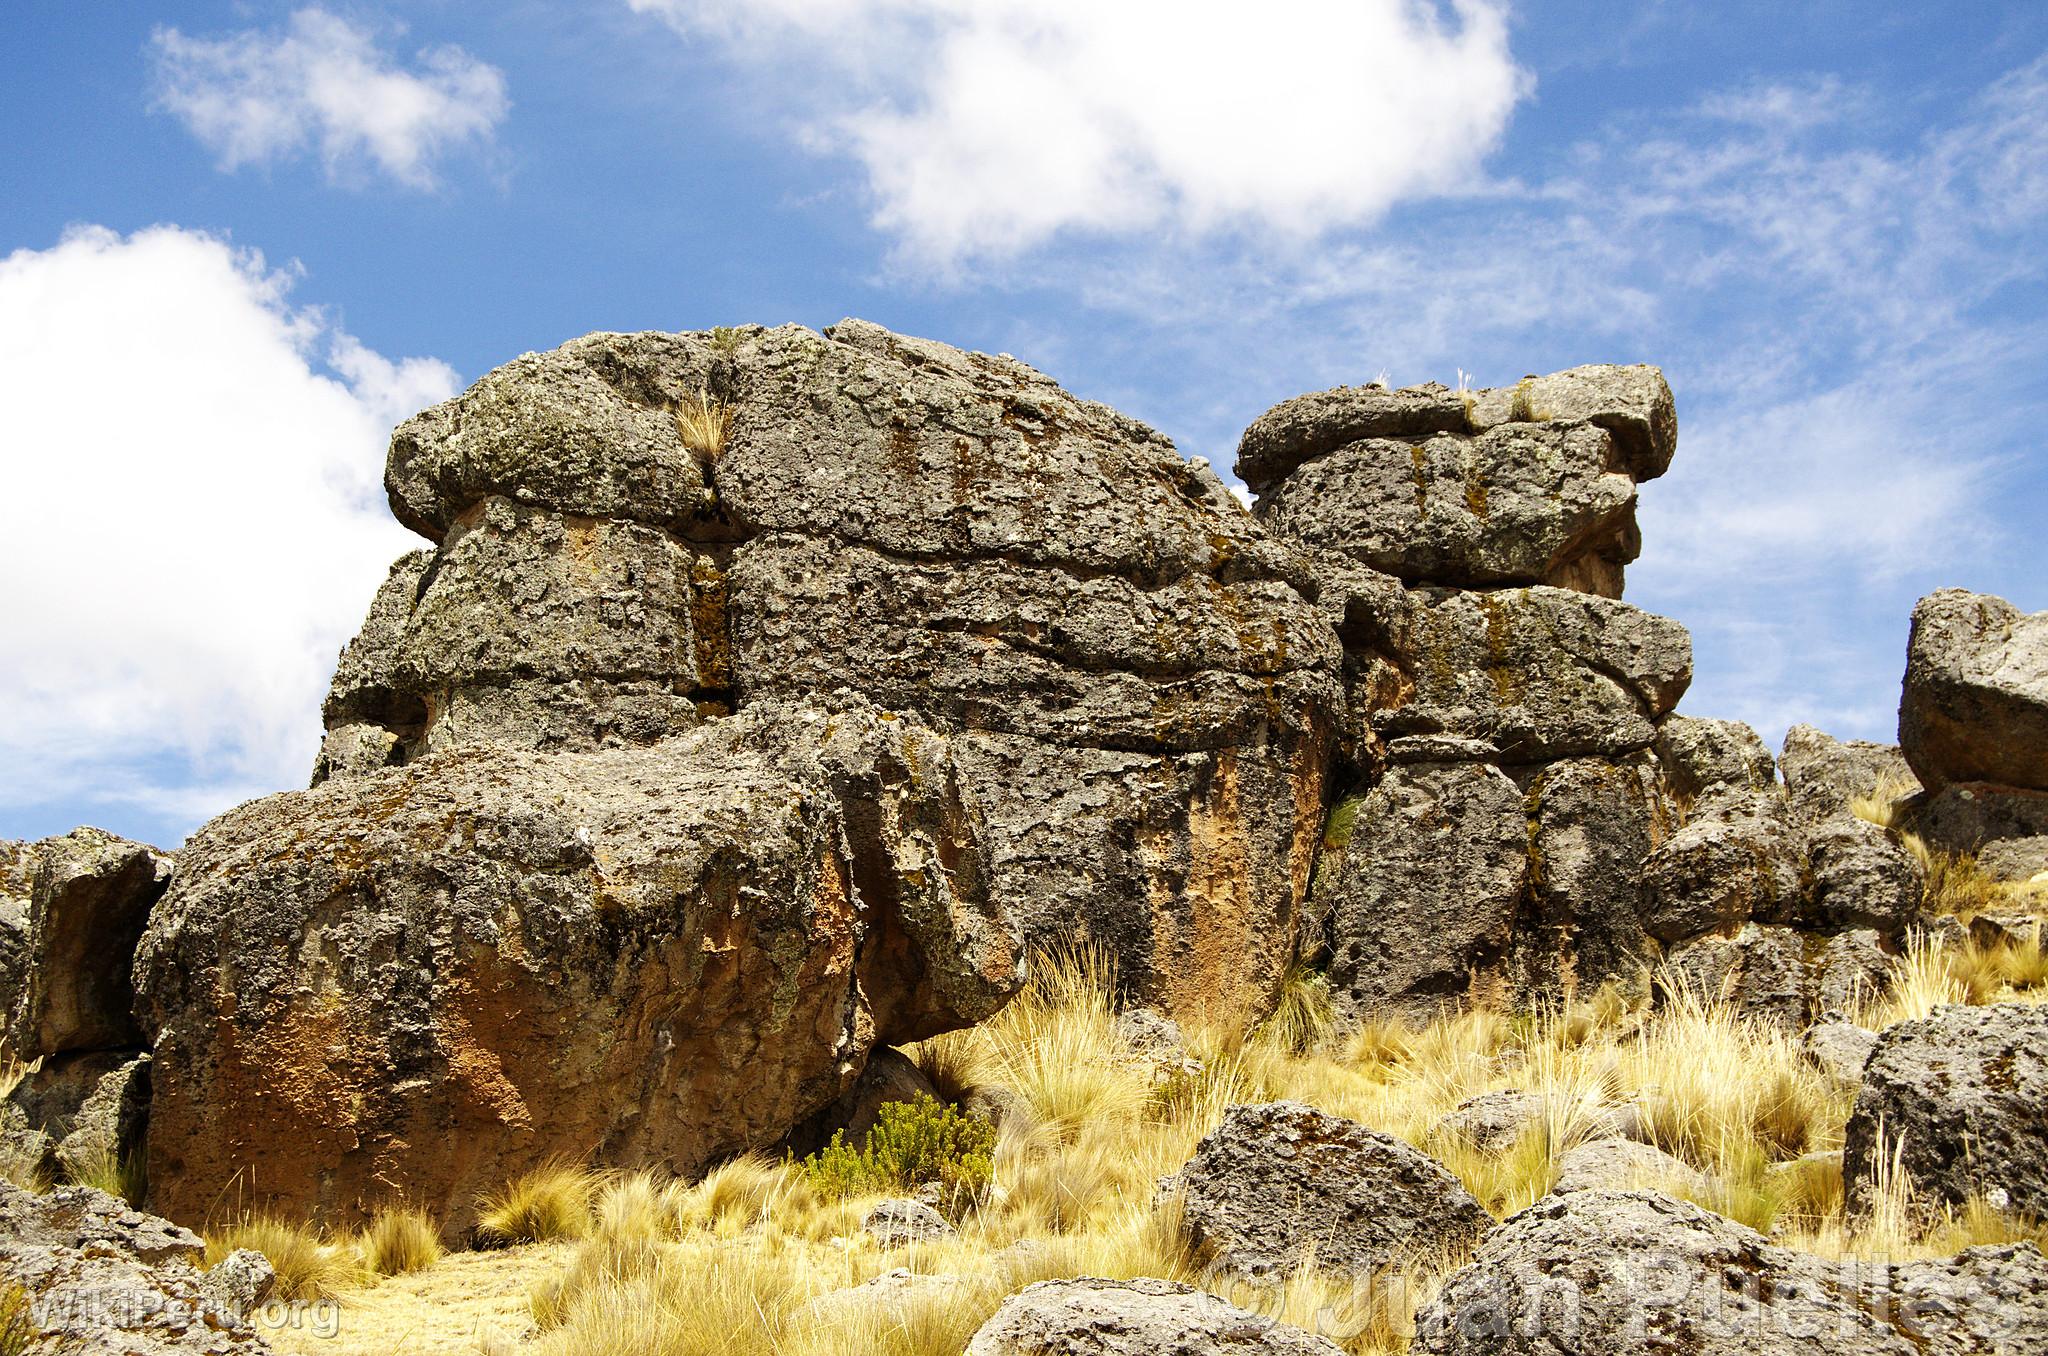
679,775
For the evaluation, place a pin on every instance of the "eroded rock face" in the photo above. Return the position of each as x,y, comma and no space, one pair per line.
2004,829
1273,1182
1962,1097
1624,1272
1088,1316
938,532
101,1277
71,909
426,980
1975,704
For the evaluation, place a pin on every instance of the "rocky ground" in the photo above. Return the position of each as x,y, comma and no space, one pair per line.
769,702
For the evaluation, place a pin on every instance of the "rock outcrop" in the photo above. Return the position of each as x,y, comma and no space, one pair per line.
1959,1101
1088,1316
1975,702
426,980
1274,1183
100,1277
1142,698
1619,1273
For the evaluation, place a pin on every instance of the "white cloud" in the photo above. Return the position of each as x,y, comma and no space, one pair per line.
255,97
988,126
194,520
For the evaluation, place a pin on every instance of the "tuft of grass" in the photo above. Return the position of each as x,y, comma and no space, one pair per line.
19,1331
399,1240
123,1175
1303,1018
553,1201
308,1266
1056,1047
1884,804
1931,973
952,1062
704,423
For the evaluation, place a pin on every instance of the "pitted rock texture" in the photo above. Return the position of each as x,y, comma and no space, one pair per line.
1962,1098
1088,1316
1705,760
1274,1182
423,981
78,1111
2004,829
1629,1273
1823,775
1862,876
101,1277
937,532
71,909
1975,704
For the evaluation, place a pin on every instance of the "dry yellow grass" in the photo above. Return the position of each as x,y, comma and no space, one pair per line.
550,1202
309,1267
399,1240
704,422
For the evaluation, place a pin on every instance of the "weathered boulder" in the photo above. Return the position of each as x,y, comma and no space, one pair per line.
1628,1273
426,980
941,533
1849,970
1623,1164
1520,504
1825,775
1274,1182
1297,431
101,1277
1493,1121
1705,761
1759,970
1536,673
1738,858
1862,876
1840,1050
1975,704
1632,403
2004,829
79,1111
1592,823
1962,1098
1419,887
71,909
894,1223
1088,1316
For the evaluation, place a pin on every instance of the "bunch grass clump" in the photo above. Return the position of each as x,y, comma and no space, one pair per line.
704,422
117,1174
399,1240
553,1201
309,1266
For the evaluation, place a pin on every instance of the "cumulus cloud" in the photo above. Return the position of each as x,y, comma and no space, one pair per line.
256,97
988,126
194,521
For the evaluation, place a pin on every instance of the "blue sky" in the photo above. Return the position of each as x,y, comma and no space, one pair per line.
240,240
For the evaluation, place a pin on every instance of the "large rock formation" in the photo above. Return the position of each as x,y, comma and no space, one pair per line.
424,981
1623,1273
1975,702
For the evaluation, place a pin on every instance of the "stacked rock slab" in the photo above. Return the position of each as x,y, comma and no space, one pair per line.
71,909
670,783
1524,816
1468,548
1973,722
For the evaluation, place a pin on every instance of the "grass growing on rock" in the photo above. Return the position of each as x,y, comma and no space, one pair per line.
757,1259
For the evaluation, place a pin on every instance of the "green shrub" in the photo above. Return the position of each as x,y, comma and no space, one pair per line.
912,1144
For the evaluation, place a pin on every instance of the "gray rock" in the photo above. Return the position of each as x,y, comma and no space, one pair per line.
1707,759
1273,1182
103,1278
1759,970
1539,673
1493,1121
1962,1097
372,721
1298,431
1863,877
1847,971
895,1223
1420,891
1632,403
889,1076
1628,1273
1840,1050
240,1281
1521,504
73,909
1824,774
490,956
1592,823
1088,1316
1739,858
1623,1164
82,1110
2005,830
1975,704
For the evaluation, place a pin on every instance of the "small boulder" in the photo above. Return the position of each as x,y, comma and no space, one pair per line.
1621,1164
1825,775
2006,830
1738,859
1493,1121
1840,1050
1088,1316
1975,703
1961,1096
1632,1273
1758,970
1275,1182
894,1223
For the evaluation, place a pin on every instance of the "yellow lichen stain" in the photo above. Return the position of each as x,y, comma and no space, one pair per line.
710,626
1223,958
1420,475
1311,763
1507,680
